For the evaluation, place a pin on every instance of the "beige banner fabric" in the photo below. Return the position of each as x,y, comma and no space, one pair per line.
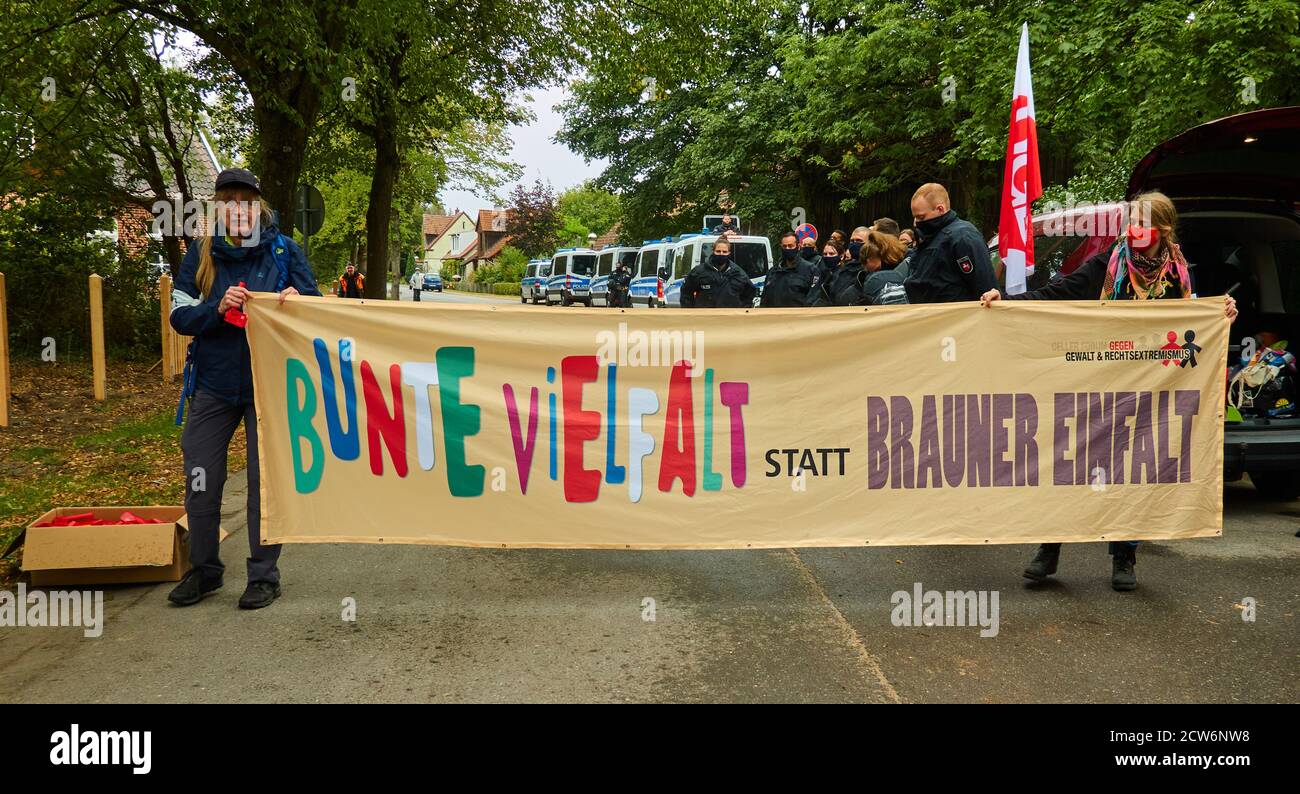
515,426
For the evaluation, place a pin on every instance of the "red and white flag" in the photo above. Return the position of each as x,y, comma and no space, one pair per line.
1022,181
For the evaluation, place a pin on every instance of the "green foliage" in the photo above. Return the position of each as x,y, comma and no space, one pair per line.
838,108
509,266
584,210
507,288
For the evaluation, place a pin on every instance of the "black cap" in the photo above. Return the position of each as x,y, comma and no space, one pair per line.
238,176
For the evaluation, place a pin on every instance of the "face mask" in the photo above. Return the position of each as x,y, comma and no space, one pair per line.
719,260
788,254
809,252
854,248
1141,238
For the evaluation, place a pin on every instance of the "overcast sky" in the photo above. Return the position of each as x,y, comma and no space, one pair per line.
540,156
533,147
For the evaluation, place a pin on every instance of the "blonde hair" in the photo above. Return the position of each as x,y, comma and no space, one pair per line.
933,193
887,247
1163,216
207,271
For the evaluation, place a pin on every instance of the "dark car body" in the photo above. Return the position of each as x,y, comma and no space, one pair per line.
1236,184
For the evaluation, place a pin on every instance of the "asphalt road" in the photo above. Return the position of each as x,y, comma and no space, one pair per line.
447,624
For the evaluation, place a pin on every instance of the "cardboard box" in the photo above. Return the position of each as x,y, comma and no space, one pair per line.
127,554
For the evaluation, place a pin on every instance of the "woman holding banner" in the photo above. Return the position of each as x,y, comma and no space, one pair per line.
1145,263
246,253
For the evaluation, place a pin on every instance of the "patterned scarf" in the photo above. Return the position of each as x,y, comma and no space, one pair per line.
1131,276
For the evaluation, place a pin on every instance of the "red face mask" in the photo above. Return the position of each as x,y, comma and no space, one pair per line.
1142,238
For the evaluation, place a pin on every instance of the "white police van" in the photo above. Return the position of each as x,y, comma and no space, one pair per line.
752,252
605,263
648,277
532,289
572,270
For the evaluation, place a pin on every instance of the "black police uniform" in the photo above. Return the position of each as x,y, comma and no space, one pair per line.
951,262
708,286
789,285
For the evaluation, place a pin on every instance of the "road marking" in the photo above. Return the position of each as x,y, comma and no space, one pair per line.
865,657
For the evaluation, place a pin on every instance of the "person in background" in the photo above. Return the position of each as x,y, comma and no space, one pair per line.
840,237
619,282
788,283
951,261
728,225
417,284
887,225
808,250
885,260
1145,263
908,238
351,284
831,259
719,283
219,275
854,247
840,281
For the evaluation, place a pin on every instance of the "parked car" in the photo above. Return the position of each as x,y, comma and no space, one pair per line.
534,273
570,280
647,287
433,281
1236,183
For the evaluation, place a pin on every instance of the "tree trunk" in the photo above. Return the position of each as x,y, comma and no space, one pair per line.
282,140
380,211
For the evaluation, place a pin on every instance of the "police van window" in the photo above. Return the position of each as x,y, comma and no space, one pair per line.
684,262
530,271
628,258
752,258
557,265
583,264
606,264
544,268
649,262
667,264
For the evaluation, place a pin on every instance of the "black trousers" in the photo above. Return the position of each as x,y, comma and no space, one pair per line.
205,442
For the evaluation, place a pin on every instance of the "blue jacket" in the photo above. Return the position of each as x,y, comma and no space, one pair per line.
220,350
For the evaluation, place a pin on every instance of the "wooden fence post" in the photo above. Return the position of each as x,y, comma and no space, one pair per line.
4,355
165,304
97,336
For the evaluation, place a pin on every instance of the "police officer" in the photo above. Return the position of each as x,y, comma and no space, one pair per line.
788,283
808,251
827,266
728,225
845,285
619,281
718,283
951,261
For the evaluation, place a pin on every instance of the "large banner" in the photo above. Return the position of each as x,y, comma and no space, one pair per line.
520,426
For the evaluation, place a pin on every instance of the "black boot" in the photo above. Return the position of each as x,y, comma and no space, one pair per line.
1044,563
1122,577
193,588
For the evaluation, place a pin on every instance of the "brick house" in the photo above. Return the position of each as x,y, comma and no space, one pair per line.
490,238
446,236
